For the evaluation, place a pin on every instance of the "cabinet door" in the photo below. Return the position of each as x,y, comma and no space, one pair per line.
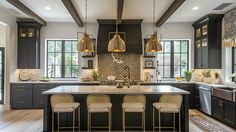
205,57
22,55
32,52
229,112
198,57
39,99
217,108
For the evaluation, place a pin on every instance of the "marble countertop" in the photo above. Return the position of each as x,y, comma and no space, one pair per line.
59,81
105,89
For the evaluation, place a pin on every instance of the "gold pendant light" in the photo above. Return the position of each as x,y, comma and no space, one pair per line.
86,43
153,44
116,44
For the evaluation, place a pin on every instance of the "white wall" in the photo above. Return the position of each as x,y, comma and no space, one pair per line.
183,30
10,51
3,33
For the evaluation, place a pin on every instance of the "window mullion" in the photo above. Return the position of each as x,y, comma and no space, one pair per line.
63,60
172,59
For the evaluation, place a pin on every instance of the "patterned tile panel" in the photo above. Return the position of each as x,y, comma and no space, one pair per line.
107,67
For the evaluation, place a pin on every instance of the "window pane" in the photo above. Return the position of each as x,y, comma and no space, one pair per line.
75,70
75,59
67,71
160,69
74,46
184,59
166,59
176,71
51,60
167,71
176,59
50,70
167,46
50,46
58,46
177,46
58,58
67,59
58,71
183,68
184,46
67,46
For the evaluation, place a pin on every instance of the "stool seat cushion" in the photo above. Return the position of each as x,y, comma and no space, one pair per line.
99,107
133,107
66,107
166,107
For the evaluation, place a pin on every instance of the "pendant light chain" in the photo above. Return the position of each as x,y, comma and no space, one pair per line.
154,15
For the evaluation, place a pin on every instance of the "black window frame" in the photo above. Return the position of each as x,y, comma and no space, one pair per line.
63,52
172,53
233,62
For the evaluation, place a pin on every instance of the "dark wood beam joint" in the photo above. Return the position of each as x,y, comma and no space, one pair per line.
27,11
120,10
173,7
70,7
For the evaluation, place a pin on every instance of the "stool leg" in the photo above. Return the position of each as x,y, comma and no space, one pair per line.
159,120
58,122
52,121
174,122
123,117
73,121
153,119
179,122
144,121
109,120
79,118
88,123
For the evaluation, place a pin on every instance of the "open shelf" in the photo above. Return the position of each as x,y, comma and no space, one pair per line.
87,67
149,68
151,56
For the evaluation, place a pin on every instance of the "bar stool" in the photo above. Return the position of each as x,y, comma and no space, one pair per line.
168,104
61,104
99,104
134,104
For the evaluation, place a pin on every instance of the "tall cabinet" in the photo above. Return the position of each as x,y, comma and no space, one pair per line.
207,42
28,46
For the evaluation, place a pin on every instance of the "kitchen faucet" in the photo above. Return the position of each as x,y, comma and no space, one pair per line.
127,76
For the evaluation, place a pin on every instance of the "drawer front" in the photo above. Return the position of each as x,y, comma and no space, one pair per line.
21,92
22,103
39,99
40,103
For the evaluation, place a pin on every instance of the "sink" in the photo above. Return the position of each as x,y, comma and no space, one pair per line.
224,93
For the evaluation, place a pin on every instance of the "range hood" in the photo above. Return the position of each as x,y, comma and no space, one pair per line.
129,30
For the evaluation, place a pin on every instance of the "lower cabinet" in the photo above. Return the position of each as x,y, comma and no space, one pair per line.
224,110
39,99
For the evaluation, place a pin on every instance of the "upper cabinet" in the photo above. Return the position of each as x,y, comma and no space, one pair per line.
28,46
207,42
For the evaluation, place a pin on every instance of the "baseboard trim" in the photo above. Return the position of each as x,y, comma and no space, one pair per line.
7,107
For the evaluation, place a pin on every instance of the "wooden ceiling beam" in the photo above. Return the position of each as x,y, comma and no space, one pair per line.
120,6
173,7
27,11
71,8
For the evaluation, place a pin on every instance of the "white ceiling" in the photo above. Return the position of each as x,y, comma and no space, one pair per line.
106,9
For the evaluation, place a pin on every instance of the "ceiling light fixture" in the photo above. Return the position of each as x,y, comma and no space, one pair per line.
153,44
116,44
195,8
48,8
86,43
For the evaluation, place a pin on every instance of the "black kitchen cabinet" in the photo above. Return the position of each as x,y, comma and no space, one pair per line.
207,42
21,96
196,99
39,99
224,110
28,46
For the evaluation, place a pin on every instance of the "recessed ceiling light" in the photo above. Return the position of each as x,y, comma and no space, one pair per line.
195,8
48,8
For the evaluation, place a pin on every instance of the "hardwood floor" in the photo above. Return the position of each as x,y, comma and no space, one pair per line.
31,121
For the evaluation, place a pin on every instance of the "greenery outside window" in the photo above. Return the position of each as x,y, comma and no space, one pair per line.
62,59
173,60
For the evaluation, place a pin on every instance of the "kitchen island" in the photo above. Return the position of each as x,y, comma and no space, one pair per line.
152,94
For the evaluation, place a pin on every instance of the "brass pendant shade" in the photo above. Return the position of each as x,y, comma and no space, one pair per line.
153,44
116,44
85,44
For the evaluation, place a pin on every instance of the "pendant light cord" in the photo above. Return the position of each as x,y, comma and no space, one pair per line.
154,3
86,15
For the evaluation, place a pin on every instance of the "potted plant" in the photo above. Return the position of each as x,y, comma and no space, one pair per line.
95,75
233,76
188,75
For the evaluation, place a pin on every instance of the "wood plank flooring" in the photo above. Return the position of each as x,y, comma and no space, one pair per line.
32,121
